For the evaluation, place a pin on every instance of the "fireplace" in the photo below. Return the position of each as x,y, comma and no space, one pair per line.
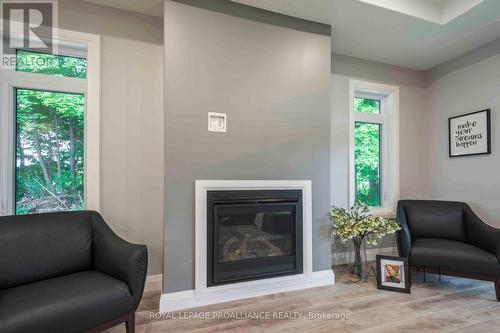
253,234
275,218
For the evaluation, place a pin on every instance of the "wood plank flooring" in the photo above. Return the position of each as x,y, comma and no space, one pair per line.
454,305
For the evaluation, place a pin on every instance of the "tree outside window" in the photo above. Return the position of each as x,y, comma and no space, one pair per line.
367,155
49,139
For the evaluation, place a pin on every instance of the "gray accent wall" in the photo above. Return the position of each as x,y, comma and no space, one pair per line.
466,84
273,81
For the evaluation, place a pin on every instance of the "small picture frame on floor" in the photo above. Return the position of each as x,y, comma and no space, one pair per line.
393,274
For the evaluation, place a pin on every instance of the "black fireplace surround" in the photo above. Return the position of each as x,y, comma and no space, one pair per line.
253,234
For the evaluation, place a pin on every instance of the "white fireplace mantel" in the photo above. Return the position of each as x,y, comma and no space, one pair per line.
203,295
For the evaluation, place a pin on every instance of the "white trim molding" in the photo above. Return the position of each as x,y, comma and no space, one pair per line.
190,298
203,186
389,120
204,295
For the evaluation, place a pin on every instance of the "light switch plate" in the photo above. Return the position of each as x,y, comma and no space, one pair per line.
217,122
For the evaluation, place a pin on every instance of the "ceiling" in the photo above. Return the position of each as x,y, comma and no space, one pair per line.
148,7
436,11
371,32
418,34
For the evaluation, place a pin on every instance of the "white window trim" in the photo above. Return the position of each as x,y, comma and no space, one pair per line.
90,87
389,108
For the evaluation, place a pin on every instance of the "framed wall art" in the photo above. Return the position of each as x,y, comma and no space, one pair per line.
470,134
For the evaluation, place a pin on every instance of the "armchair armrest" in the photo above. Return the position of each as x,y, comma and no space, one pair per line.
118,258
481,234
403,236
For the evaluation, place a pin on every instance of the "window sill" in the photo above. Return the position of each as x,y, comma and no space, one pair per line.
391,215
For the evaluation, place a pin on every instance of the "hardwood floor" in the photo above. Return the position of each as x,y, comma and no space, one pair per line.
454,305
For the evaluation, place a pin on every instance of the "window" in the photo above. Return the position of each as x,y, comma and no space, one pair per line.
58,65
374,165
367,105
47,109
367,141
49,133
49,151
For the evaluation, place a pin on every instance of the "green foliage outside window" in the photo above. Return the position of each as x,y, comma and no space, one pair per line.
49,138
57,65
366,105
49,151
367,156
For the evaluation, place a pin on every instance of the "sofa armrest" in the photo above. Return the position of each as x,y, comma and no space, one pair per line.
403,236
120,259
481,234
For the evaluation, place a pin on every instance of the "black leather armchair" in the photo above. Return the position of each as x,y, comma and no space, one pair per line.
448,238
67,272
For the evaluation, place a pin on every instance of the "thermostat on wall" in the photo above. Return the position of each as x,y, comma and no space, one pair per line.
216,122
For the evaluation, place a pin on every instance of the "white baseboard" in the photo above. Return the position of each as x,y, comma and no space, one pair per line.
153,282
342,258
190,299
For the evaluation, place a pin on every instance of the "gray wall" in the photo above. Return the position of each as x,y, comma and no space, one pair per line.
414,176
274,84
463,85
132,165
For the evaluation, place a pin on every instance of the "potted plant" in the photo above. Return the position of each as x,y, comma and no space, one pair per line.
357,224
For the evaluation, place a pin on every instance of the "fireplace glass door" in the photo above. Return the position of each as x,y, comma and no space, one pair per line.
253,234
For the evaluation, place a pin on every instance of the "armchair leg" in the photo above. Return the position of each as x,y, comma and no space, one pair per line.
130,324
497,289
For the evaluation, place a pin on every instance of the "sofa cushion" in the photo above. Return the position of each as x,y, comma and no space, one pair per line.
70,303
453,256
435,219
41,246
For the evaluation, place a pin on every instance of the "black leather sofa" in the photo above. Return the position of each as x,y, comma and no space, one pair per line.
447,238
67,272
